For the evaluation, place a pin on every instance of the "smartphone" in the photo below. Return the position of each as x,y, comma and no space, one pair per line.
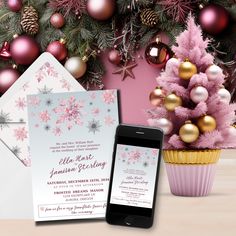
134,176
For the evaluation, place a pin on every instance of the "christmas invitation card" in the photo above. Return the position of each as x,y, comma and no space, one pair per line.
71,141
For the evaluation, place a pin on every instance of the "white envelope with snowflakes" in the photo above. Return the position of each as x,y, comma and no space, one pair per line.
45,75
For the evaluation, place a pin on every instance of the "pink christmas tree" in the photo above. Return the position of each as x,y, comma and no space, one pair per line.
193,108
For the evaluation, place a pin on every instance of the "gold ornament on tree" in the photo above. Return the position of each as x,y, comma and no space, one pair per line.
206,123
149,17
29,20
172,101
187,70
157,96
189,132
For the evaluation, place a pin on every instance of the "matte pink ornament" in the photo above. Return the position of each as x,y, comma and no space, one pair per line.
114,57
199,94
57,20
58,50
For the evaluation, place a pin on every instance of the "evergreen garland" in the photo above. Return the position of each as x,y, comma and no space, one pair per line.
124,31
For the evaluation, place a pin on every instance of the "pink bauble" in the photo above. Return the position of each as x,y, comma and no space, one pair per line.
101,9
57,20
114,57
58,50
7,77
213,19
14,5
199,94
163,123
213,72
224,95
24,50
171,64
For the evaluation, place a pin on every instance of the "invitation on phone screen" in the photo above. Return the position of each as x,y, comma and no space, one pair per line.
134,176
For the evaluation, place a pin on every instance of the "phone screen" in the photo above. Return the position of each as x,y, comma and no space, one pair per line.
134,174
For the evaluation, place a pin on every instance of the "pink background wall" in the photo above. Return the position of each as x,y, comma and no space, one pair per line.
134,93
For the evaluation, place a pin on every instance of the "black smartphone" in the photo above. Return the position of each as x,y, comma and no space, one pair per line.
134,176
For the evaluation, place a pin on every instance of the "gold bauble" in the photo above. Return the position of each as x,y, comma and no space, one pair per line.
187,70
157,96
172,101
189,132
206,123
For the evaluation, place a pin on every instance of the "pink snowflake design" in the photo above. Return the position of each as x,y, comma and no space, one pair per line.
44,116
95,111
21,103
69,112
20,133
57,131
34,101
134,155
154,152
109,96
109,120
46,70
65,84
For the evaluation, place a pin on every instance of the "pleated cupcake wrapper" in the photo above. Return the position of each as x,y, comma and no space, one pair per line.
191,156
190,180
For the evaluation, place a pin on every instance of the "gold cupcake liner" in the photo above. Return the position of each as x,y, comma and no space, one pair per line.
191,156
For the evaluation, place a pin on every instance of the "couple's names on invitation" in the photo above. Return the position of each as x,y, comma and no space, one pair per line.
73,161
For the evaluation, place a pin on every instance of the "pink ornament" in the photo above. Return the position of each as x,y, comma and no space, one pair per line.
199,94
213,72
58,50
14,5
114,57
7,77
24,50
171,64
224,95
213,19
163,123
101,9
57,20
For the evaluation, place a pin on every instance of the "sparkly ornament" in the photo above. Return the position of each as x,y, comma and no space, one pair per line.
157,54
76,66
149,17
213,18
5,51
165,124
224,95
29,20
24,50
7,77
199,94
213,72
187,70
57,20
14,5
189,132
206,123
172,101
157,96
126,70
101,9
114,57
58,49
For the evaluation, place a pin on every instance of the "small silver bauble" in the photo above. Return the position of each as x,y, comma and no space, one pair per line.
76,66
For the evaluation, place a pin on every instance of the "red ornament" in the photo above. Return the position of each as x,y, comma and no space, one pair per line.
58,49
5,51
101,9
57,20
14,5
7,77
213,19
157,54
24,50
114,57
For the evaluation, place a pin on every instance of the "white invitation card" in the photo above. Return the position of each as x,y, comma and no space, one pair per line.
71,143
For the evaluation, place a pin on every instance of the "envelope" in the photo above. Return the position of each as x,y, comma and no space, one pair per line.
45,75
